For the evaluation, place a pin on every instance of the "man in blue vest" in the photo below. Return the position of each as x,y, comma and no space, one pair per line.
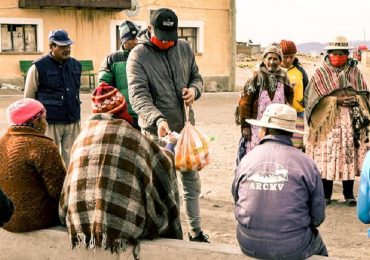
55,81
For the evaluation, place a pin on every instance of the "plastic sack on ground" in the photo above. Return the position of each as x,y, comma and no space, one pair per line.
192,149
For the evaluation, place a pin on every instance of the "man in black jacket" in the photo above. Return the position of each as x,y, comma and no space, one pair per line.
163,80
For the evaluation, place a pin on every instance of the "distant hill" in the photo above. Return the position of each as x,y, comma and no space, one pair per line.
311,47
317,47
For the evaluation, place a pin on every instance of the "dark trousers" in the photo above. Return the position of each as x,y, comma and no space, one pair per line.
347,189
259,247
135,123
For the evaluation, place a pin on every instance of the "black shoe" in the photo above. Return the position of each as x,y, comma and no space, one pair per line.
201,237
351,202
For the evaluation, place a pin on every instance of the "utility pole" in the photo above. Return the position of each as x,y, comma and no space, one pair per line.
364,34
232,53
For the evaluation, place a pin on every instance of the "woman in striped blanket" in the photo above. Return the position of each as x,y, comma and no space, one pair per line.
337,112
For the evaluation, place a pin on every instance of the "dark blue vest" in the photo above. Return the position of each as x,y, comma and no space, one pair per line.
59,89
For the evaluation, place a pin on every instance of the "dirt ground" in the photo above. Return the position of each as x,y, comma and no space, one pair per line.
344,235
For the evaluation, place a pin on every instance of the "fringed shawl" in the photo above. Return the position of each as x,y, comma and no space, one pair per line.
120,187
266,80
327,79
322,122
321,102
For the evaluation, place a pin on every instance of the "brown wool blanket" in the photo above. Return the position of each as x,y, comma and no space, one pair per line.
120,187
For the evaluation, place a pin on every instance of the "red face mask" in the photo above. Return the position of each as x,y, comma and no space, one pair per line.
160,44
338,60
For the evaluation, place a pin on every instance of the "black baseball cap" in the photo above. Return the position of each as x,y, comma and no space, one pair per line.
165,23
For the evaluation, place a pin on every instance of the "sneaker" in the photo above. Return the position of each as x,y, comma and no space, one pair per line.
201,237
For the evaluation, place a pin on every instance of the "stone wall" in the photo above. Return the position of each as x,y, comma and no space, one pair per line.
217,84
53,244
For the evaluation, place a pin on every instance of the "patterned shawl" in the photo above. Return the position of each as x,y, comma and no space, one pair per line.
266,79
120,187
328,78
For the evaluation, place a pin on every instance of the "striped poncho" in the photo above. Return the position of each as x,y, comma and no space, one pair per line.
120,187
328,79
321,100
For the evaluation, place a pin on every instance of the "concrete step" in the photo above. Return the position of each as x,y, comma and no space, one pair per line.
53,244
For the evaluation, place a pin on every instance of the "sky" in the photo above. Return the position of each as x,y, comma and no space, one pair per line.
268,21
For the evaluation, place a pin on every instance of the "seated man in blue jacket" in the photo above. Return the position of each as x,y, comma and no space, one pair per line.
278,193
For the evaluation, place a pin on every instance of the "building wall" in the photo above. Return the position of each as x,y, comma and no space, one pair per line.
93,33
248,49
243,49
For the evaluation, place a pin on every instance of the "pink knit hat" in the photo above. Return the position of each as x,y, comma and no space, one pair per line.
24,111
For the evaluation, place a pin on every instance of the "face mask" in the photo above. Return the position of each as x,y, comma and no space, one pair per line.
338,61
160,44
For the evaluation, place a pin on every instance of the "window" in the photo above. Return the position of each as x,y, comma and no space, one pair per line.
118,39
189,35
190,31
20,35
193,33
114,30
18,38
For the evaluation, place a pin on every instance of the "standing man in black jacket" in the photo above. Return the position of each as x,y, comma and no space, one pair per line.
55,81
163,78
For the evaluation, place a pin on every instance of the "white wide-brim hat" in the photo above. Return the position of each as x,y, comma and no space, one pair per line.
278,116
339,43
